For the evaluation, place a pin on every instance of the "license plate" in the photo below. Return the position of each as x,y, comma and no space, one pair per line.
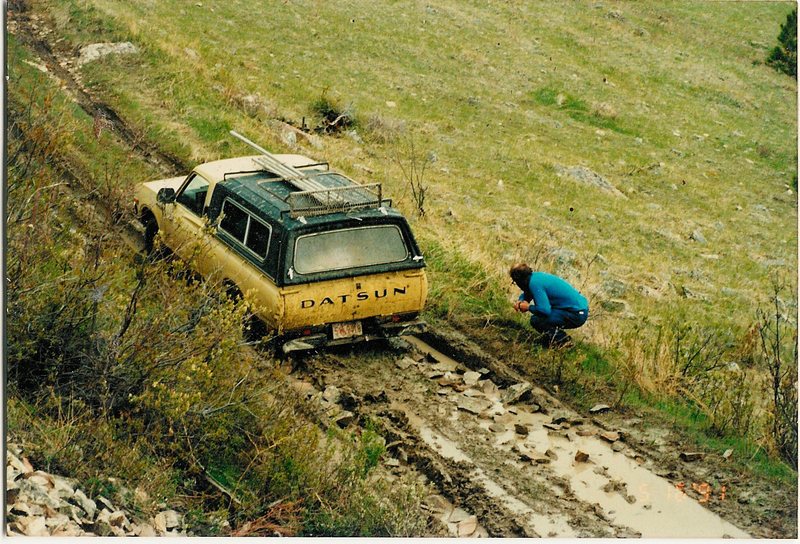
347,329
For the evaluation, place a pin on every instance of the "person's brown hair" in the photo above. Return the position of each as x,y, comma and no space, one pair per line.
520,273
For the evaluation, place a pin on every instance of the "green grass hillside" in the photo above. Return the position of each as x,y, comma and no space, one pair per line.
644,151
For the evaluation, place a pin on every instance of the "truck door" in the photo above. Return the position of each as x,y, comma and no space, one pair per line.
184,226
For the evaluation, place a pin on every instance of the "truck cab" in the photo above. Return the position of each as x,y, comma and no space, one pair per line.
321,259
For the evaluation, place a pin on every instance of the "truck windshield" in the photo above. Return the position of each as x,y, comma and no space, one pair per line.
349,248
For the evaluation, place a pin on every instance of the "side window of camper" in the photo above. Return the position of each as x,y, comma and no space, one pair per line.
248,231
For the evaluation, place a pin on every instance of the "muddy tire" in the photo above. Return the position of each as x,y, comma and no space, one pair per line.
150,232
253,329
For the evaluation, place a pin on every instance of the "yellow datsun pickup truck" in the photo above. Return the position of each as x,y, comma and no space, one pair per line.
321,259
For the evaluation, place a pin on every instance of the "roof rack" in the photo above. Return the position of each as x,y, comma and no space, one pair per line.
319,193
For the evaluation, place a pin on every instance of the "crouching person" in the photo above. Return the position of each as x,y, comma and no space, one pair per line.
553,303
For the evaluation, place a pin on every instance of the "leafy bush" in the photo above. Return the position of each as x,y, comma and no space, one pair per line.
783,56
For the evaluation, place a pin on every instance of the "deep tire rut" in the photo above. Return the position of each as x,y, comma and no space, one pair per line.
32,31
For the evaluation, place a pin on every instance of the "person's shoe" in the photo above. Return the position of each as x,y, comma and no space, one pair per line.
554,339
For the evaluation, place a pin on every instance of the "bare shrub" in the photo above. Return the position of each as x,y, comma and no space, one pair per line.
413,164
778,343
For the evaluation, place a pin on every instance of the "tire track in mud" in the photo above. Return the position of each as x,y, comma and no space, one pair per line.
33,31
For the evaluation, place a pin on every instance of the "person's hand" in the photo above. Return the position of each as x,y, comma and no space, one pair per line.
521,306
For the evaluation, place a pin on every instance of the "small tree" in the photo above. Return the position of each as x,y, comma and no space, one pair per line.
783,56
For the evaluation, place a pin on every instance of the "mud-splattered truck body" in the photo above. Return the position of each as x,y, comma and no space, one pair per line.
321,259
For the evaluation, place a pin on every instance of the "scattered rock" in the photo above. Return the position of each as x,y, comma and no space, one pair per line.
471,378
145,530
160,523
698,237
95,51
467,526
599,409
331,394
87,504
446,366
458,515
521,429
345,418
551,454
105,502
727,454
589,177
617,446
614,288
32,526
552,427
405,363
473,405
581,457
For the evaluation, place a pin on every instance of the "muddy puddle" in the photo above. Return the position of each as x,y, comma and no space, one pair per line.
543,525
598,466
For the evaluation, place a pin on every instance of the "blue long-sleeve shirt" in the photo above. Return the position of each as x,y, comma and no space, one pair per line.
550,292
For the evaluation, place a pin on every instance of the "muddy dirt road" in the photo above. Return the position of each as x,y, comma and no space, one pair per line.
504,456
511,456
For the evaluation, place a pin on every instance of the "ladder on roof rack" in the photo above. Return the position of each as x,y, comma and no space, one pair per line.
292,175
315,197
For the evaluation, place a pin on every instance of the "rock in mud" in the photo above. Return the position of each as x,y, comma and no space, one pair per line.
551,454
581,457
559,419
471,378
497,428
516,392
690,456
599,408
617,446
472,405
521,429
609,436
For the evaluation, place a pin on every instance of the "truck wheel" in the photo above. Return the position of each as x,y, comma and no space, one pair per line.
150,231
253,329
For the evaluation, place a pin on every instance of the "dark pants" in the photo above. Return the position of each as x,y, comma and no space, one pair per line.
559,319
